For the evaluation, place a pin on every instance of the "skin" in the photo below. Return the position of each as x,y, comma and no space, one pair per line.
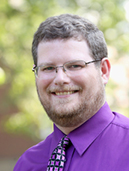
70,100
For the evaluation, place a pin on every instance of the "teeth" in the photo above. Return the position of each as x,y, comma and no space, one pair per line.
63,93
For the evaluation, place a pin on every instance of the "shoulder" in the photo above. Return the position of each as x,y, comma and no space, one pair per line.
121,121
35,156
41,147
118,130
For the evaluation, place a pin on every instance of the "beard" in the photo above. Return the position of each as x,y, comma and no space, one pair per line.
67,115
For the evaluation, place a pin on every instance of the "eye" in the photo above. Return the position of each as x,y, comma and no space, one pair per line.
75,66
47,68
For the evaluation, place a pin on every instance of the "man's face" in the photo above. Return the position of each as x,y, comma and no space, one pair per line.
69,100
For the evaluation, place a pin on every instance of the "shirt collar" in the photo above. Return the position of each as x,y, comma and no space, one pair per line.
84,135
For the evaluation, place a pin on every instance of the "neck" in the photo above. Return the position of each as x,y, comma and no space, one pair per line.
67,130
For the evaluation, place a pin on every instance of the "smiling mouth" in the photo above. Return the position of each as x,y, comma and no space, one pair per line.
65,92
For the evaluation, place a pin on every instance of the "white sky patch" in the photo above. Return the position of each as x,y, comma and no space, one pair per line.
126,7
118,74
16,3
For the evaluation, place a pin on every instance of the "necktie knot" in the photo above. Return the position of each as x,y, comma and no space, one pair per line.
64,142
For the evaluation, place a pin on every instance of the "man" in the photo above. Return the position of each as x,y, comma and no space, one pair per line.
72,69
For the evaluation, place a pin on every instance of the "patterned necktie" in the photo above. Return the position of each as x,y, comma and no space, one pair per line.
57,160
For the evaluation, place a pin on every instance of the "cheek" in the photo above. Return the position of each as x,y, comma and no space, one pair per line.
42,84
88,82
81,80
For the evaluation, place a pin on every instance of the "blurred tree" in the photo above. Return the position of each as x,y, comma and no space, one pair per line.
19,21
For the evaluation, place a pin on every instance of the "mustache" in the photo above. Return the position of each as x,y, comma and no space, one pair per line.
64,88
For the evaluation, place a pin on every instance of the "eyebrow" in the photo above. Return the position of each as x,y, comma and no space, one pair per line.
46,63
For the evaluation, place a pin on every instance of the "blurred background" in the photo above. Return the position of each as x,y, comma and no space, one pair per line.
23,121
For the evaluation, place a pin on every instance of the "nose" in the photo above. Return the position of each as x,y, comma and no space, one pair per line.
61,77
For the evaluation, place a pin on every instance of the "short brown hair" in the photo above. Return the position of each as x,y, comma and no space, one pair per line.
68,26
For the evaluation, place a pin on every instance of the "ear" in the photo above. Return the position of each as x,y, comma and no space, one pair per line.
105,70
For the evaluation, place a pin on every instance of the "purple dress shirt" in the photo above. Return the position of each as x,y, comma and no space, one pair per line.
100,144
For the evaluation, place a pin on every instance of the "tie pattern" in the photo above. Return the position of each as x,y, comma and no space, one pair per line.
57,160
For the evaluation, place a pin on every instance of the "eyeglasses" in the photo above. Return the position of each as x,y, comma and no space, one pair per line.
47,71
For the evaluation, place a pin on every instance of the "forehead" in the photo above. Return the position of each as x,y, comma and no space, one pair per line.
63,50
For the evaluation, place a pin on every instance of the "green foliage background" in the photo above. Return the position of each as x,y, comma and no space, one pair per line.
19,20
